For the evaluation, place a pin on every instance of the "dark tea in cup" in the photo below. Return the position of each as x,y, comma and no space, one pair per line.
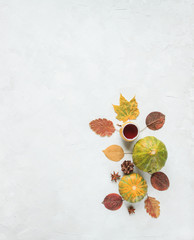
129,131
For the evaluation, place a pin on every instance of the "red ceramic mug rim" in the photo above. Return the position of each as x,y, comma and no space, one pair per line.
131,139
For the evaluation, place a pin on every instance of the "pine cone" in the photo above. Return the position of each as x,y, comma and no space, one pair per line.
127,167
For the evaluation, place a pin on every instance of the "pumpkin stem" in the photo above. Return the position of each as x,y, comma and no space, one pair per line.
153,152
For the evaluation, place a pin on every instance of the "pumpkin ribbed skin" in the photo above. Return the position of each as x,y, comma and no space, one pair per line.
149,154
132,187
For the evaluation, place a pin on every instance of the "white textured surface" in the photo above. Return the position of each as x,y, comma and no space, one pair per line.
62,64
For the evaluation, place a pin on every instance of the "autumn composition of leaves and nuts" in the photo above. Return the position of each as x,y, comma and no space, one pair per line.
149,155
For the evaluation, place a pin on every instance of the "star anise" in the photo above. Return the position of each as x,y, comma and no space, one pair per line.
115,176
131,210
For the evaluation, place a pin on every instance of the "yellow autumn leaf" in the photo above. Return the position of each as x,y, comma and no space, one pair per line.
127,109
114,153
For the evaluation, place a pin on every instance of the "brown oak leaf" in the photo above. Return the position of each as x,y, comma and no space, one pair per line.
152,207
102,127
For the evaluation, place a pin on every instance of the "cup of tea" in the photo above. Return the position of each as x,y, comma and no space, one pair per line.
129,131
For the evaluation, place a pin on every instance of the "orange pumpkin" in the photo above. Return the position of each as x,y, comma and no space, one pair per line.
133,187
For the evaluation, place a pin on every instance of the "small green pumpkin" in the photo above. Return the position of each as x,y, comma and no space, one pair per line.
149,154
133,187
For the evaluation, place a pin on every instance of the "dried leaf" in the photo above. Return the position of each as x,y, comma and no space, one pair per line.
102,127
113,201
155,120
160,181
152,207
114,153
126,110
